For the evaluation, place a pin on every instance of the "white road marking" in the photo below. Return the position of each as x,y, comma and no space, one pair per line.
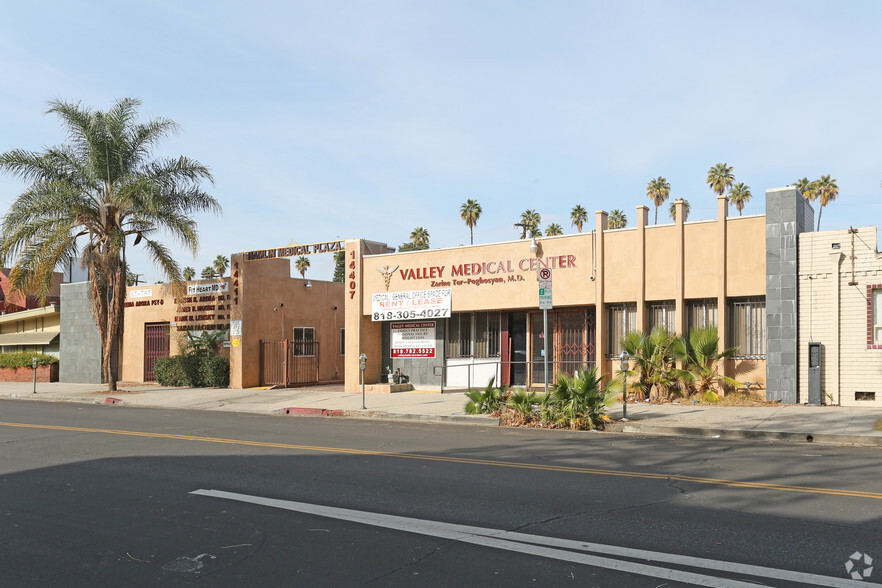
549,547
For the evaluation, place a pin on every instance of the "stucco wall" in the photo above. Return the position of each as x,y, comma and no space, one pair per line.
833,310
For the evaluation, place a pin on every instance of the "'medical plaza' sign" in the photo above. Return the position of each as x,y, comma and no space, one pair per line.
292,250
416,304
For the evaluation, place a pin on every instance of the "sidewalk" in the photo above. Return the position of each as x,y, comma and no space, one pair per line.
818,424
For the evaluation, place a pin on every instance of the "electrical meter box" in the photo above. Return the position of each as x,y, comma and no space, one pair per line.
814,373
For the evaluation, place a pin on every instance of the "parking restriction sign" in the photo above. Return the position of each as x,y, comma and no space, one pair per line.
544,288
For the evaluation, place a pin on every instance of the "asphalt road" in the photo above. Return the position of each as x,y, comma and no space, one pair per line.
120,496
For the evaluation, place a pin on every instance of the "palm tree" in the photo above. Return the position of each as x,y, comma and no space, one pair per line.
701,361
806,188
578,216
302,264
617,219
470,212
419,237
89,197
553,229
530,221
220,264
652,359
673,209
739,195
188,273
827,190
207,272
720,178
658,191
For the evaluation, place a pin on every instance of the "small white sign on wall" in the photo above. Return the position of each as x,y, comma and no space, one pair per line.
413,339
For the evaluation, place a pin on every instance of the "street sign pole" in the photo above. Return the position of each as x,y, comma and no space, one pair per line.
544,276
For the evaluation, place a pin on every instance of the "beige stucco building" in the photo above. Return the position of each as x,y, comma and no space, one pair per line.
840,304
280,330
604,283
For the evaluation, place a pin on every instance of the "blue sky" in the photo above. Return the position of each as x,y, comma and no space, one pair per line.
322,120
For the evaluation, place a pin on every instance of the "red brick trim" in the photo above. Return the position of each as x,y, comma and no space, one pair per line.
870,288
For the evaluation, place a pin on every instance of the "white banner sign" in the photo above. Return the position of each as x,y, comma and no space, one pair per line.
413,339
417,304
142,293
215,288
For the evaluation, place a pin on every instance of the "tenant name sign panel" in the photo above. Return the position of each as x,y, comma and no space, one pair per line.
416,304
413,339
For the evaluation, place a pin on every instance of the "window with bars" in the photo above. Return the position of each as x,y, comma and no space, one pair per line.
473,334
303,342
747,326
701,313
663,314
622,319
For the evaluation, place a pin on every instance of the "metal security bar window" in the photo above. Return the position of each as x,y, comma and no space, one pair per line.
303,343
663,314
473,334
701,313
747,327
622,319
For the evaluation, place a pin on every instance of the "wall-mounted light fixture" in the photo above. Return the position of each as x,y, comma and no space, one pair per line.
534,246
308,284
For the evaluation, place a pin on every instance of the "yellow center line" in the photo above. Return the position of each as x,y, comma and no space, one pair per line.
465,460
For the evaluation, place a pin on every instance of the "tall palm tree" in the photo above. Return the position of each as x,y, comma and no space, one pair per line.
420,238
220,264
673,209
470,212
807,188
739,195
188,273
617,219
207,272
553,229
302,264
720,178
827,190
529,223
578,216
93,195
658,191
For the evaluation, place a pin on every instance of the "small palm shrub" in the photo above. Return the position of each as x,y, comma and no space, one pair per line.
701,362
486,401
581,400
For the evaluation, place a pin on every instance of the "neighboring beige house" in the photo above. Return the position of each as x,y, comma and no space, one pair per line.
37,329
840,307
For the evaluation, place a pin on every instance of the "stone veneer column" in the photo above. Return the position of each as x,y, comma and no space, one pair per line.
787,215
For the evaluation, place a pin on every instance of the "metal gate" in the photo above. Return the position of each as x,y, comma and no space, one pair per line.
156,338
289,363
574,339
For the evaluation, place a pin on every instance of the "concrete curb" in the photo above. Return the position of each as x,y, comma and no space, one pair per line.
791,436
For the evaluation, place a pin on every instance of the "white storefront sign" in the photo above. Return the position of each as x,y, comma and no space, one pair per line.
142,293
416,304
413,339
215,288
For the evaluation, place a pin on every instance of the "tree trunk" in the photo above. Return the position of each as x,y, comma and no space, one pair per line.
820,210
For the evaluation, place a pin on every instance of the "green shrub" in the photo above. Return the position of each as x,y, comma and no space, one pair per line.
215,371
192,371
24,358
169,371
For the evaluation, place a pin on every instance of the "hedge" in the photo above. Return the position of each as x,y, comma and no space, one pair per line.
192,371
24,359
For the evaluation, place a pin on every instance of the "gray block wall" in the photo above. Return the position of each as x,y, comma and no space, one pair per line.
421,370
80,344
787,215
